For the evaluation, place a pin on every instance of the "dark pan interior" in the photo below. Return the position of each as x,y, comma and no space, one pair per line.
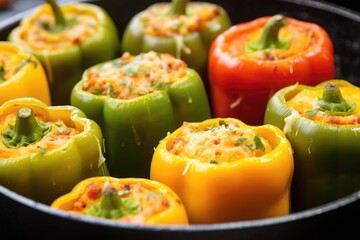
22,217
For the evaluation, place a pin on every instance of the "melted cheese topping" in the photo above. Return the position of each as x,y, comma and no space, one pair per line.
11,63
220,142
301,40
152,200
307,100
35,30
156,21
132,76
56,138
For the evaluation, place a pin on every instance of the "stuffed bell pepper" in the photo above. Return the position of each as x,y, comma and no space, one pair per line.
21,74
224,170
182,28
137,99
45,151
129,200
250,61
322,124
67,40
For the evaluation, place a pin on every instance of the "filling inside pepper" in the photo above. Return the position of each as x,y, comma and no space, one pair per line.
38,31
58,135
134,202
130,76
11,63
301,39
157,22
307,101
223,141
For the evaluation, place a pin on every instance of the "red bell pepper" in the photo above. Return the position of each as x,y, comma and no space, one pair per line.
250,61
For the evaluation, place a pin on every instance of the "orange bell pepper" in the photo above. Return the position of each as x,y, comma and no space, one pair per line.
21,74
250,61
132,200
224,170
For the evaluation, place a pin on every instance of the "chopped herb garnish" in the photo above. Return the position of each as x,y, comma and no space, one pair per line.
176,25
213,161
240,140
61,128
97,92
258,143
2,73
211,127
118,64
131,71
250,146
222,122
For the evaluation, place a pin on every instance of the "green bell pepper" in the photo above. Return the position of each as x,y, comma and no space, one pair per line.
67,40
185,30
322,124
133,127
46,150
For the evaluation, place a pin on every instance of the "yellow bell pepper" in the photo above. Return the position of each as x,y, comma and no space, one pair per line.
21,74
224,170
131,200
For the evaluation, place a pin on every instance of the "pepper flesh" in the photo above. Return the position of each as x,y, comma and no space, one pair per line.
133,127
241,189
65,57
21,74
325,141
110,197
39,171
249,62
192,46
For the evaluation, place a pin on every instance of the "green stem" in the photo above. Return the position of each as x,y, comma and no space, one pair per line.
269,38
59,16
110,199
109,207
333,102
27,130
178,7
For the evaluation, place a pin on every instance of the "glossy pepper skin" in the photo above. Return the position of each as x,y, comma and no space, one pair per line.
110,204
250,61
64,66
27,77
133,127
195,45
243,189
325,153
46,174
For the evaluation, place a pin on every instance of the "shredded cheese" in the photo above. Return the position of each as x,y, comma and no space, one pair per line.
37,33
157,22
220,142
133,76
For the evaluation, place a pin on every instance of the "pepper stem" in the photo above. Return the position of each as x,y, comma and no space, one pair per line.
178,7
333,102
109,207
269,38
27,130
59,16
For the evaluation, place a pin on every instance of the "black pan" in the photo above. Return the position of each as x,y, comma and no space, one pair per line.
21,217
